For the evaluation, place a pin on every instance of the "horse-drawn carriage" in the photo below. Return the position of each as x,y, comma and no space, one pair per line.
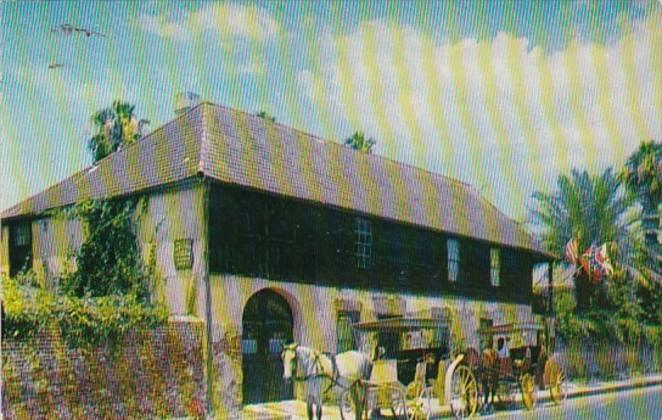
416,353
475,377
411,352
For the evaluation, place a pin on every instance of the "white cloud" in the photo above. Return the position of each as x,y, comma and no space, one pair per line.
225,19
543,120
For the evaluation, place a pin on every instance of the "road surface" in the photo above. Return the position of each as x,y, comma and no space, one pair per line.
637,404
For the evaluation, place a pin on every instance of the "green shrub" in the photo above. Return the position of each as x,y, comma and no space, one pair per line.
81,321
109,261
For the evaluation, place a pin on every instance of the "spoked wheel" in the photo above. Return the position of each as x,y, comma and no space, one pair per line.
463,393
348,407
398,402
529,393
557,381
422,407
504,394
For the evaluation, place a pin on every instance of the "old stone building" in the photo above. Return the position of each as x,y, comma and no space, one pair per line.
270,234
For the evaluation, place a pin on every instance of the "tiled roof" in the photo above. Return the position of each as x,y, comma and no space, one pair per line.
243,149
169,154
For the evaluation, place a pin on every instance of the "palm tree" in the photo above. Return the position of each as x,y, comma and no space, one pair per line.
266,116
115,127
359,142
592,209
642,177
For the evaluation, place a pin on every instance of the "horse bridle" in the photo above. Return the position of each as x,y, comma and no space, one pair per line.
317,363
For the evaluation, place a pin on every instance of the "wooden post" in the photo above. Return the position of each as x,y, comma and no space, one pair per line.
208,313
551,341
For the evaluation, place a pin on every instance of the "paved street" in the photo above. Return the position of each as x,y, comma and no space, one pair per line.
642,403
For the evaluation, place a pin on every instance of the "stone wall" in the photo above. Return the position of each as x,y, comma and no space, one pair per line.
156,373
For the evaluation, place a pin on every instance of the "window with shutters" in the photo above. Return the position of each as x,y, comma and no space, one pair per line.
20,248
453,248
363,243
495,267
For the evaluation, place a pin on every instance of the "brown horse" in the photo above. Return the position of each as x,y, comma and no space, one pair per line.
489,374
485,366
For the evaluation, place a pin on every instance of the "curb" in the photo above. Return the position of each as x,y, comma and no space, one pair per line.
612,388
606,389
446,412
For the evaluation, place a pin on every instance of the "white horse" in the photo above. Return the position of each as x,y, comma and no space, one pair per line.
344,371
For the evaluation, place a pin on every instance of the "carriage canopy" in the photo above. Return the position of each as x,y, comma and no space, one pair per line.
507,329
401,324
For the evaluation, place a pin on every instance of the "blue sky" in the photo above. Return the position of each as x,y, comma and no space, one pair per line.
503,95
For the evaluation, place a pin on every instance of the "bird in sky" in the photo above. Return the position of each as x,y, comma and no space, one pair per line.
54,66
68,29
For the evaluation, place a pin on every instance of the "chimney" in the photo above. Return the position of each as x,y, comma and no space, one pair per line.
185,101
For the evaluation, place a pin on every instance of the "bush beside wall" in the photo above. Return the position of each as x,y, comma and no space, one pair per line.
156,372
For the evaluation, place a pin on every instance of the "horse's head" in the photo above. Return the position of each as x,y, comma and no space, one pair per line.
289,357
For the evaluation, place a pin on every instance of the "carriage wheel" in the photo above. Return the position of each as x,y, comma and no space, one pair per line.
556,380
463,392
529,394
347,406
398,402
424,406
504,395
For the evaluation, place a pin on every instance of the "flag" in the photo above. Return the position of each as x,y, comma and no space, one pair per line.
589,263
596,263
602,257
572,251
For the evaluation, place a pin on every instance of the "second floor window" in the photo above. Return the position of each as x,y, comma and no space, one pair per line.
495,267
363,243
453,260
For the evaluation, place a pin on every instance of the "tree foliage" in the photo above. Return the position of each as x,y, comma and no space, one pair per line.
642,174
594,210
266,116
115,126
109,261
590,208
358,141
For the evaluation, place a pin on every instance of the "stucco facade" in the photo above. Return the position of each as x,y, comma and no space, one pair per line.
315,310
162,217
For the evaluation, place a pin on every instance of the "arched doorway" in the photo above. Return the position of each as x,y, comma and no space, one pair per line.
267,325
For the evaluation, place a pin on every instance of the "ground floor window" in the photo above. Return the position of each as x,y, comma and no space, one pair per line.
344,331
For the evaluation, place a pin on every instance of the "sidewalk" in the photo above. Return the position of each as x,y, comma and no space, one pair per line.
296,410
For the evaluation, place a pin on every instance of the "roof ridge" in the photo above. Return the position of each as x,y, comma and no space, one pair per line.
82,172
336,144
203,139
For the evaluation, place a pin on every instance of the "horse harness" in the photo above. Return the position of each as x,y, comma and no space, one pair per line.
318,365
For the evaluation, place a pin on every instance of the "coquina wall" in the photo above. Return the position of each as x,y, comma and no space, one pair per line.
152,374
315,310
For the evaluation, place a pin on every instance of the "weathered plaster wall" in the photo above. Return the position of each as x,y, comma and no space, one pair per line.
54,238
161,219
315,311
166,217
4,250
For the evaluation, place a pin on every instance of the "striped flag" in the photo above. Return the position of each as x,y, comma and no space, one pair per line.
596,263
572,251
602,257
